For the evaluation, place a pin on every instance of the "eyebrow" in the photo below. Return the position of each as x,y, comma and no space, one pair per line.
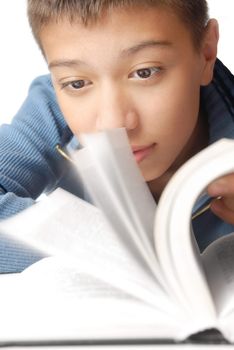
125,52
145,45
65,63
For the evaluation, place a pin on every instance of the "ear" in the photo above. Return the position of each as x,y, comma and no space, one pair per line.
209,50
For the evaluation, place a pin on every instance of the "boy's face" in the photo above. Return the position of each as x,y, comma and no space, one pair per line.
136,69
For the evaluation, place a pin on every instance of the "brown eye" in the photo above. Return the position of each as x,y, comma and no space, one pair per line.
79,84
144,73
76,85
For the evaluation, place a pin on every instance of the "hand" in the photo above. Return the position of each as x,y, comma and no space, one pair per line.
224,188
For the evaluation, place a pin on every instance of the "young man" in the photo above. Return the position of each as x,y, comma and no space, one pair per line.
144,65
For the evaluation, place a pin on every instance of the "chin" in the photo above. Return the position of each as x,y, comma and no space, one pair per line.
151,176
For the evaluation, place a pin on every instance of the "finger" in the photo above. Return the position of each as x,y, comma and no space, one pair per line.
220,209
229,202
222,186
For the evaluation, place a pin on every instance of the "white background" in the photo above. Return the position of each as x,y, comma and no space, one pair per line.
21,60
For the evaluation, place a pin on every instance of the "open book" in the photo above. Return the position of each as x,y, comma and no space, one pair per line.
123,269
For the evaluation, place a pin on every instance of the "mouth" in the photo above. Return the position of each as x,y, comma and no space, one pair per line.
142,152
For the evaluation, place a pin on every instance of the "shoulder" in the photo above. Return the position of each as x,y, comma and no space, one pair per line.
223,81
41,113
41,91
218,102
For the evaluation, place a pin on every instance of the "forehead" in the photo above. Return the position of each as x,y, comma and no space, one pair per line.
116,30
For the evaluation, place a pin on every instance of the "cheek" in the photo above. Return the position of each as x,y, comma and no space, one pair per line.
77,115
173,107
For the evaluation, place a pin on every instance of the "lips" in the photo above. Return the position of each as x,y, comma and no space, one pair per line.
142,152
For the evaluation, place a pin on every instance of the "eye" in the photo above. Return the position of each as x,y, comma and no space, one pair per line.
76,84
145,73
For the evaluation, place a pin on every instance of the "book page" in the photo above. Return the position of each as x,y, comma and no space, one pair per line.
218,262
174,241
64,224
119,190
53,300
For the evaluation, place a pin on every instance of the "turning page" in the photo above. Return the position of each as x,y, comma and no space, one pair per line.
174,241
120,191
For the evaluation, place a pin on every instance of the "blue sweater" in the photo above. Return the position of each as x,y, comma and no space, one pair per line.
30,164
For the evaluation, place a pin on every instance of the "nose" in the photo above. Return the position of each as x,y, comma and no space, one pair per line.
116,110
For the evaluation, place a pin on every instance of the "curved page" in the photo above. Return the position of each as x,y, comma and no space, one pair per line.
176,249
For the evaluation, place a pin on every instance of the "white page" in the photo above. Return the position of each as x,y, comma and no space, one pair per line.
226,326
52,300
218,261
178,255
64,224
111,150
119,190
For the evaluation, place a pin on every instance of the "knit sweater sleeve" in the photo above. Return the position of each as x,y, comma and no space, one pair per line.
29,162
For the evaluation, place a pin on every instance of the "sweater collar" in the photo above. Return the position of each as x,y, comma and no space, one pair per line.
218,101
